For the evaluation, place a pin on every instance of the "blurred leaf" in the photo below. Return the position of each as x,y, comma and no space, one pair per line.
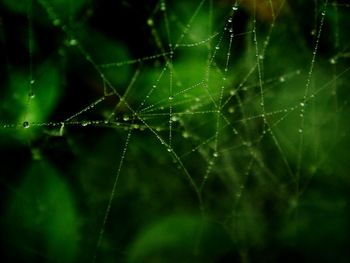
42,217
179,238
36,106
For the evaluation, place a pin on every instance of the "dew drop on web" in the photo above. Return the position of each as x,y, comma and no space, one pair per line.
26,125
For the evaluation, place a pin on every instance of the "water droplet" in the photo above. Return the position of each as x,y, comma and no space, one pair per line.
26,125
232,92
85,123
73,42
300,131
31,95
169,149
229,20
32,81
36,154
247,143
185,134
56,22
231,110
333,61
282,79
150,22
126,118
217,47
302,104
171,98
215,154
230,30
162,6
234,8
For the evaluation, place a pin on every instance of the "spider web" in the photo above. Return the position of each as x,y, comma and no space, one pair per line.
209,131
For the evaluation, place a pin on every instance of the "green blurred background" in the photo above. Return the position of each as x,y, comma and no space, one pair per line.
174,131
